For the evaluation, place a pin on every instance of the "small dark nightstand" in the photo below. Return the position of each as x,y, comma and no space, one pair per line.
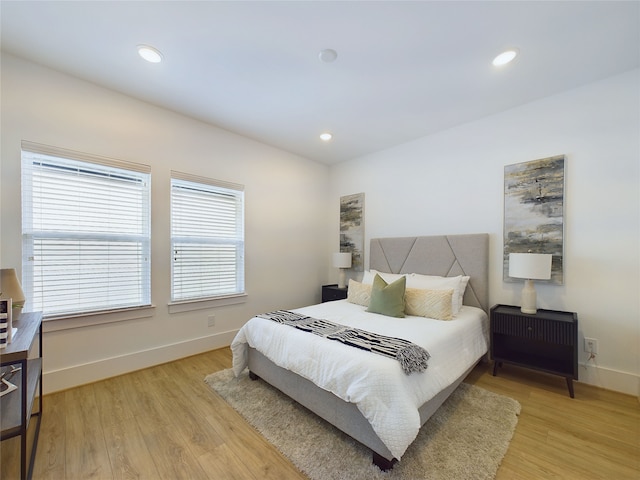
333,292
545,341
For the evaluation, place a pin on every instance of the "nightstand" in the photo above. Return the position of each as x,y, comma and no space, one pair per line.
546,341
333,292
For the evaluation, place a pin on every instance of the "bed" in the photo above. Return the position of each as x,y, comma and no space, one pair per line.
365,395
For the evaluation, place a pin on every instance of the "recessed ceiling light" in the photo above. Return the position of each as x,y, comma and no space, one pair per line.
326,136
150,54
505,57
328,55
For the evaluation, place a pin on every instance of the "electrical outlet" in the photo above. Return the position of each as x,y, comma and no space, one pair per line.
591,345
211,320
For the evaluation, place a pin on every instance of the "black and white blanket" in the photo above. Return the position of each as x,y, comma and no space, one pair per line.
412,357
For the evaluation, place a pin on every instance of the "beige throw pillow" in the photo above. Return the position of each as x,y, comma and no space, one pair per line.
359,293
429,303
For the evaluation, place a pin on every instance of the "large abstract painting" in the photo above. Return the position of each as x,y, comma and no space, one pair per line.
352,229
534,212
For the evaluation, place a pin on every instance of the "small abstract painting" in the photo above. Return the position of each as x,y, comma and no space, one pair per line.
352,229
534,212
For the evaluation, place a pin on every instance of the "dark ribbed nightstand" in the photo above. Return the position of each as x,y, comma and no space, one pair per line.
333,292
545,341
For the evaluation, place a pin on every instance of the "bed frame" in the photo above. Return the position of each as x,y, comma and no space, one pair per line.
443,255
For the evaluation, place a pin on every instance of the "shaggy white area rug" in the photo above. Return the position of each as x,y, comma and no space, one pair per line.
465,439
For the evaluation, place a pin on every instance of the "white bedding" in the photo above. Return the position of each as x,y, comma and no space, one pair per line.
386,397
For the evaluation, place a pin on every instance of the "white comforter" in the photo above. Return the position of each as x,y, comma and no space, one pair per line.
386,397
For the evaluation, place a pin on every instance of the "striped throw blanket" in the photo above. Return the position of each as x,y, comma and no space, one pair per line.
412,357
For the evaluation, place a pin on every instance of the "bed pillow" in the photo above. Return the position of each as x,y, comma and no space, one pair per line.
464,281
359,293
434,282
429,303
387,298
369,275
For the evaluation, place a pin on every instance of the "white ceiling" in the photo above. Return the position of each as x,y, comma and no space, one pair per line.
404,69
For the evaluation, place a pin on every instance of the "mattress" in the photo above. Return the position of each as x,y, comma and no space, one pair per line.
387,397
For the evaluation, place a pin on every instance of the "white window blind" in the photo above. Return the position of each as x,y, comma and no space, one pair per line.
207,238
86,232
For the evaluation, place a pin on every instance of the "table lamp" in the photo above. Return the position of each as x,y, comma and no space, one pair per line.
530,266
10,288
342,260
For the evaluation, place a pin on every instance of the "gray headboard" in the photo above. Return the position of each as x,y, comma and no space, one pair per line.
443,255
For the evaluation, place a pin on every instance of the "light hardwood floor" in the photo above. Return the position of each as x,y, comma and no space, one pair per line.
165,423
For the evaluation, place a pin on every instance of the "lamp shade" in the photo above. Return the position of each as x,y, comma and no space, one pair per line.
10,286
531,266
342,260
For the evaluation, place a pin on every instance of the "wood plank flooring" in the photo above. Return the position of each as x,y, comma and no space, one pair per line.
165,423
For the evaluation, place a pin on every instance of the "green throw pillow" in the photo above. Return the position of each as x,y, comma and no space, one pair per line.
387,299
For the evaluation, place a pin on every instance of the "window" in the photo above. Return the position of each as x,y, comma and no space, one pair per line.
85,232
207,238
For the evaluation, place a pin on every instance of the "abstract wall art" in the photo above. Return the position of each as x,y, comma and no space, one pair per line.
352,229
534,212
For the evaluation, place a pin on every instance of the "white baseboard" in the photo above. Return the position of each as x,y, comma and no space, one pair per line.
615,380
65,378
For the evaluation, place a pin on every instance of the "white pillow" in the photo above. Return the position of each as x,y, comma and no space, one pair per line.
369,275
434,282
464,281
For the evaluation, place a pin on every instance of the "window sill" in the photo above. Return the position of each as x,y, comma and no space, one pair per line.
191,305
96,318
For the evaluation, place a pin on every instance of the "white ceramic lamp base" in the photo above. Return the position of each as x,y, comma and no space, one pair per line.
341,278
529,298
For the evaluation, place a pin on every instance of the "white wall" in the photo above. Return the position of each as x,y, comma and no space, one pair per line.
285,196
452,182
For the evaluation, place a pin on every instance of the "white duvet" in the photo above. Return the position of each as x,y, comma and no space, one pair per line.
387,397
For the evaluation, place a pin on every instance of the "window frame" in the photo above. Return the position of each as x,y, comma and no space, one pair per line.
141,306
184,181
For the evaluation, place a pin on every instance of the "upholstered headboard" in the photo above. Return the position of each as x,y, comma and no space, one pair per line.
443,255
